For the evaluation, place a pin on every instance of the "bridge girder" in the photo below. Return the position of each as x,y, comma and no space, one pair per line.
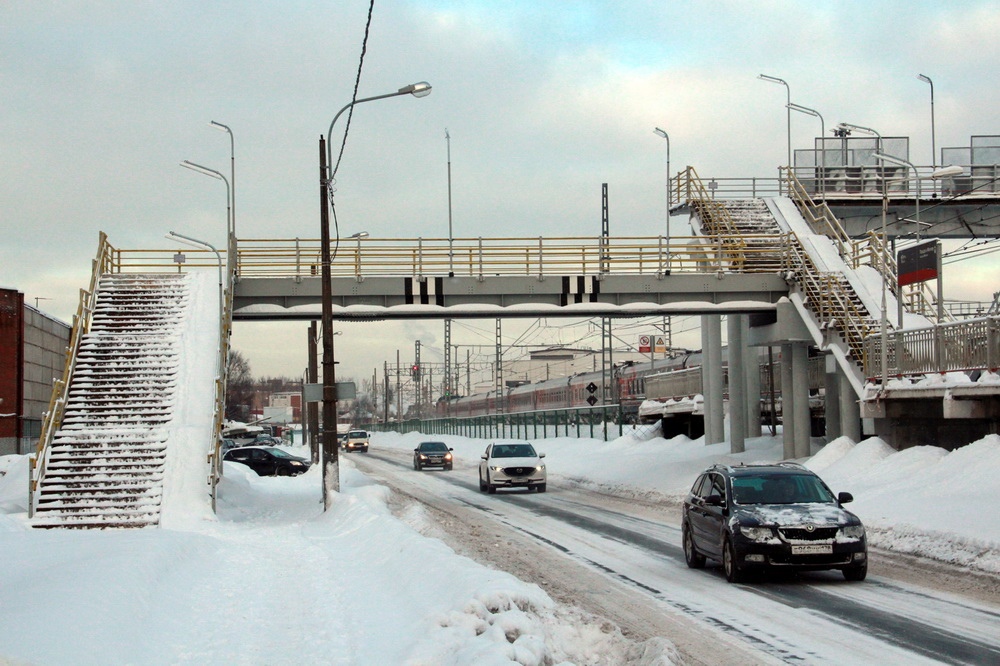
436,297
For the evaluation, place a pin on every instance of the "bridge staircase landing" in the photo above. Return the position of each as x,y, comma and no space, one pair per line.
824,267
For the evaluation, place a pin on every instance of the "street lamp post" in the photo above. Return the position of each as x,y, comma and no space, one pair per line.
451,236
822,135
215,174
331,465
663,133
232,167
927,79
788,95
357,257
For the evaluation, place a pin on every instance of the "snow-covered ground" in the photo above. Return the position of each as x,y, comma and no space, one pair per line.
275,580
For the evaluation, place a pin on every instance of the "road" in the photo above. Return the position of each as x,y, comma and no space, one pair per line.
622,560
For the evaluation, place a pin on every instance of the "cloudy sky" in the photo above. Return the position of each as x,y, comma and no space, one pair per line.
544,101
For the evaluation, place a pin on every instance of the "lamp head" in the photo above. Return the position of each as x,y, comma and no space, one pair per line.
359,235
925,78
948,172
420,89
660,132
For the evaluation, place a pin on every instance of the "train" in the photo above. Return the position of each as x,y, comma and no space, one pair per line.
663,390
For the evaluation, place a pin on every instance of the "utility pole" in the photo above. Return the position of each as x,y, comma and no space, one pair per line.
331,464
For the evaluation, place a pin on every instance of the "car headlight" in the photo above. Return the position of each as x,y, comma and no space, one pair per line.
447,456
497,469
757,533
423,457
853,531
540,468
296,463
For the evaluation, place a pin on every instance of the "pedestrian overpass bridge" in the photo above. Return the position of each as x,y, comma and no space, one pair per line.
783,269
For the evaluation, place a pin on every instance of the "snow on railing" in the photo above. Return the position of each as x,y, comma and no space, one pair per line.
106,261
964,346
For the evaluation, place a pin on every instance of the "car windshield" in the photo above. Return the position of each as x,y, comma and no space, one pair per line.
513,451
431,447
358,433
278,453
780,489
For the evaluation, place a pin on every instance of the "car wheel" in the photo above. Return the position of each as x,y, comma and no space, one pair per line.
417,466
693,558
447,468
734,572
482,486
540,487
490,488
857,573
283,471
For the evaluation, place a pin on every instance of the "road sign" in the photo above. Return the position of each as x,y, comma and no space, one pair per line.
644,344
592,401
591,387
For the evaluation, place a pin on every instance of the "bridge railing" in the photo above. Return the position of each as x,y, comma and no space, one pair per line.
299,258
106,261
972,344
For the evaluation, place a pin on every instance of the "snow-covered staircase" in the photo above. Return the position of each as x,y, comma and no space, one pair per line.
826,295
105,466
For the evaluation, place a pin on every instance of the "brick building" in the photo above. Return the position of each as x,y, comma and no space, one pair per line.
32,356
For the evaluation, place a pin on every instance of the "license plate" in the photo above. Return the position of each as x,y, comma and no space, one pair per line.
823,549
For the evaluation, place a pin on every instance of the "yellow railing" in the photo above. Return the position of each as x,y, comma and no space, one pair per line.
480,257
106,261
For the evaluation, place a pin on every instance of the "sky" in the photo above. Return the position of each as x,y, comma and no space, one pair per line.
543,102
271,559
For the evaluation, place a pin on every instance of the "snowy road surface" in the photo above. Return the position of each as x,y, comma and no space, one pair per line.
568,538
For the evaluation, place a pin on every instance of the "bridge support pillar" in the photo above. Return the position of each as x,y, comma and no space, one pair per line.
850,410
800,387
751,364
831,403
787,403
711,342
737,384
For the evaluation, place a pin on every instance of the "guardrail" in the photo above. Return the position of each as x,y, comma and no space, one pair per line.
962,346
836,183
106,261
299,258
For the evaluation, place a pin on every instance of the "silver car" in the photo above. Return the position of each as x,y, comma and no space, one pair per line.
511,464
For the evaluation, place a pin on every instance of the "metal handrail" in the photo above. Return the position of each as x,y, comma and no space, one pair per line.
106,261
963,346
225,327
476,257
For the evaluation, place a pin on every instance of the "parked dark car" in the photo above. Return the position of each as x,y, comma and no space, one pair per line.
432,454
229,444
268,460
780,516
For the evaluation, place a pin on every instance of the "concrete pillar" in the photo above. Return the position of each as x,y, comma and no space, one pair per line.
737,385
800,386
787,403
751,363
711,337
831,399
850,410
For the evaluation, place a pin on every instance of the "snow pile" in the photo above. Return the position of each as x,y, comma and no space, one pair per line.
276,580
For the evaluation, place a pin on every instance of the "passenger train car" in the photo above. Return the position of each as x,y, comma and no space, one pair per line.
638,387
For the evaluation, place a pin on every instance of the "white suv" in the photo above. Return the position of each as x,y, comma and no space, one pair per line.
511,464
357,440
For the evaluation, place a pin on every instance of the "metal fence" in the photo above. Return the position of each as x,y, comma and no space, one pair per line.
962,346
601,422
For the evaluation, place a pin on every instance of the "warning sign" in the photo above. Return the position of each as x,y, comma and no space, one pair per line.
656,344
